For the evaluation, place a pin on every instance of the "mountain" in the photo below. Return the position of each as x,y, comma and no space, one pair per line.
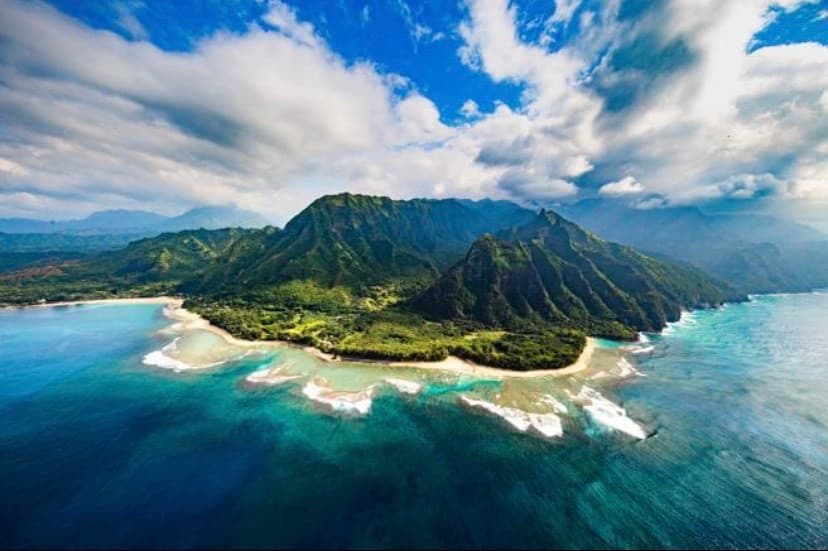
112,221
552,271
107,222
356,241
213,218
500,212
36,241
757,254
342,273
167,256
20,243
137,222
145,267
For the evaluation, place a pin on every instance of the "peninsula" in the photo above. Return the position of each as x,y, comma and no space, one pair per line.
355,276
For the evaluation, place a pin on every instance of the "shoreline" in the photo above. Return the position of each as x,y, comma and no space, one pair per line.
133,300
187,320
466,367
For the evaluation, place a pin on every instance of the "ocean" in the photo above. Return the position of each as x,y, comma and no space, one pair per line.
712,434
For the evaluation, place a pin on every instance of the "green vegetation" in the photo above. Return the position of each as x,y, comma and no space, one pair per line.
356,241
148,267
15,243
360,276
552,272
395,335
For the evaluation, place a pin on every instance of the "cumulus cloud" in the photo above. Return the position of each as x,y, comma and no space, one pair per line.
235,120
271,117
470,108
625,186
726,112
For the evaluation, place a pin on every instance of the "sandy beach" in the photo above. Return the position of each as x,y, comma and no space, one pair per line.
452,364
464,367
137,300
188,321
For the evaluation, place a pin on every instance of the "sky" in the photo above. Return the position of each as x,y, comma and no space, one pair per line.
267,105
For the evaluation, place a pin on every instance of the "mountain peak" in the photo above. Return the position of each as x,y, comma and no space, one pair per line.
551,270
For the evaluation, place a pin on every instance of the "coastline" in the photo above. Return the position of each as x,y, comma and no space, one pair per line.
186,320
464,367
135,300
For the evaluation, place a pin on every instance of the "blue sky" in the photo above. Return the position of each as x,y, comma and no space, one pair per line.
165,105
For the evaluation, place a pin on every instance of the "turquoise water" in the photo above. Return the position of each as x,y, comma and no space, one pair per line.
97,449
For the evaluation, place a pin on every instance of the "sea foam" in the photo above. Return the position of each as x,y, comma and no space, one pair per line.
339,401
161,358
404,386
545,424
626,369
270,376
608,413
557,406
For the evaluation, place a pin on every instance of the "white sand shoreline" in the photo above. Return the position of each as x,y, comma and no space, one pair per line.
186,320
134,300
465,367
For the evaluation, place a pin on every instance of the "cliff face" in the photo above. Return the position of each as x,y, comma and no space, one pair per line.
356,240
552,271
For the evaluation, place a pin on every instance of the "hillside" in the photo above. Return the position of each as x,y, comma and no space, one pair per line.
356,241
137,222
371,277
756,254
550,271
148,266
31,243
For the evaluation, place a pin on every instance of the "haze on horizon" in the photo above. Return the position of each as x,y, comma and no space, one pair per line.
267,105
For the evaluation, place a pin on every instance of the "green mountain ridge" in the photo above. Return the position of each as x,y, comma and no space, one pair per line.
756,254
148,266
371,277
356,241
551,271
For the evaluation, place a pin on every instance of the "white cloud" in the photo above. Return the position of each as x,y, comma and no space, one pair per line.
470,109
564,10
728,112
652,202
625,186
746,186
271,117
283,17
128,21
554,132
11,167
235,120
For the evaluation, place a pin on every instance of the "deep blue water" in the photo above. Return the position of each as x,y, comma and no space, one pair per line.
98,450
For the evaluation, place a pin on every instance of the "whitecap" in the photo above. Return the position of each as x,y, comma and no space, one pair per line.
627,369
641,349
557,406
163,359
404,386
339,401
545,424
608,413
685,319
271,376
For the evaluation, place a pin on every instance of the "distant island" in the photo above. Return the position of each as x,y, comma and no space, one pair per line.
417,280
